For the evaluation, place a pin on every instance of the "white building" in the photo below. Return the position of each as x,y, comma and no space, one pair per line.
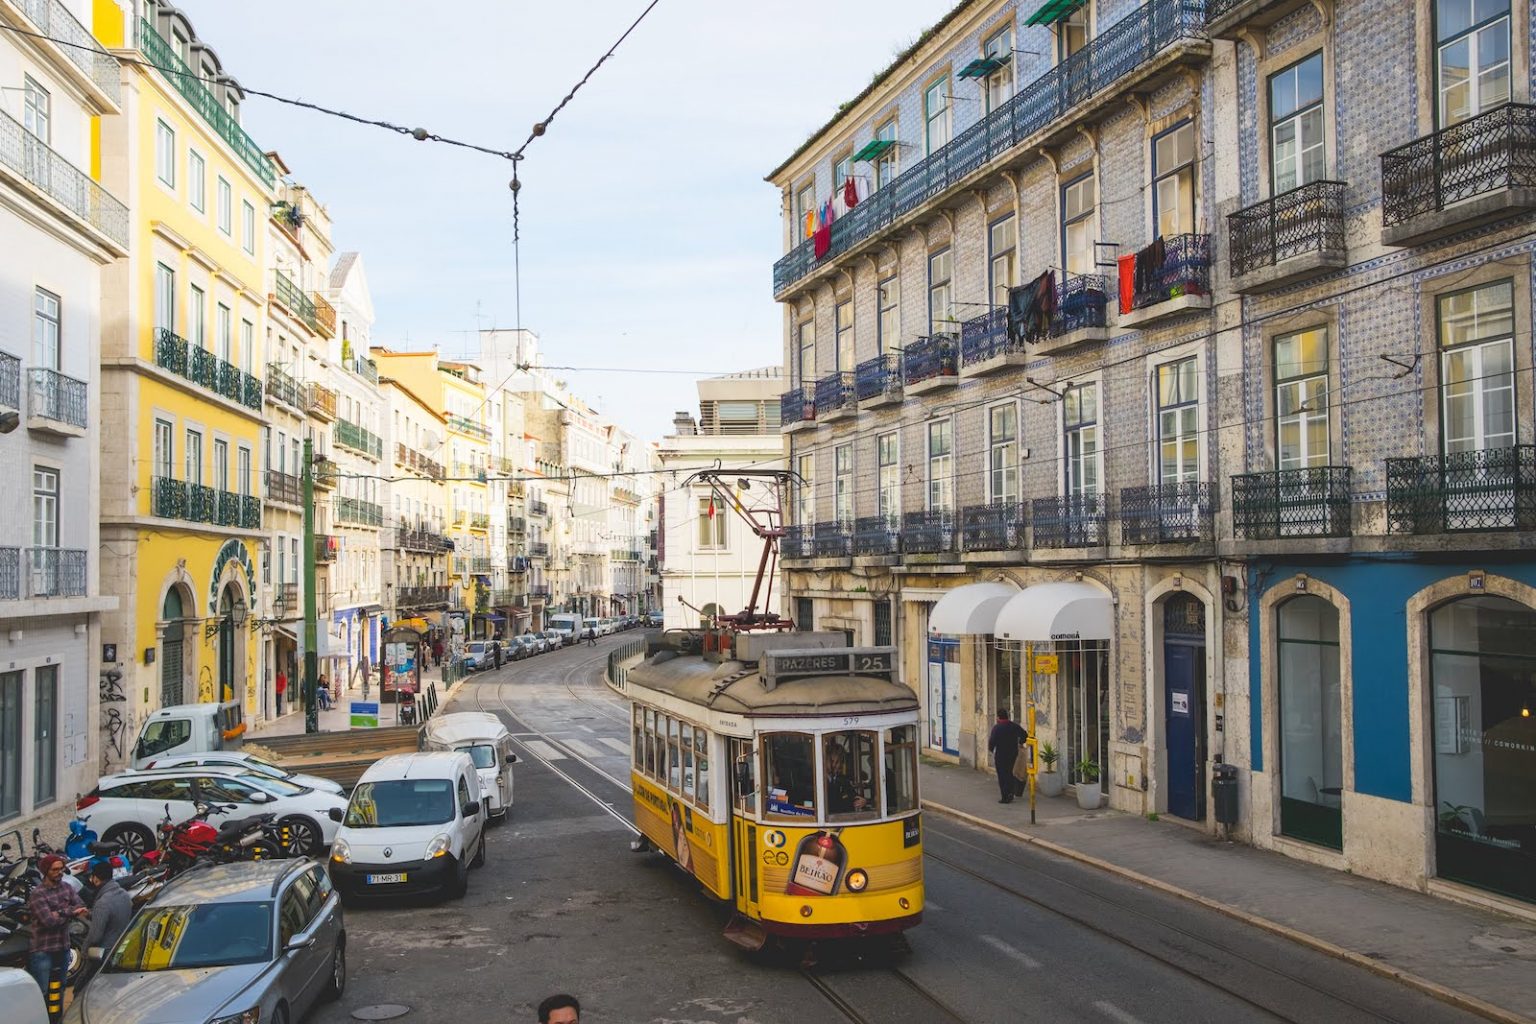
708,563
58,228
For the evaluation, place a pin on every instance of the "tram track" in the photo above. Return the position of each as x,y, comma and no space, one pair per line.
846,1006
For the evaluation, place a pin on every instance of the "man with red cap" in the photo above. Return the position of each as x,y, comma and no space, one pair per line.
53,905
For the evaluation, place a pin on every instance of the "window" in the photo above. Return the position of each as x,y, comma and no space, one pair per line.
1002,256
936,116
1311,722
941,458
197,300
701,767
197,181
1077,203
941,312
220,464
45,744
165,153
890,478
1072,33
842,170
45,507
226,338
164,448
248,227
10,743
36,110
674,760
888,296
1296,125
711,524
1003,454
247,346
805,209
805,368
789,771
885,163
194,457
900,768
1301,399
805,510
1080,410
1178,421
1173,180
45,329
165,298
850,772
842,484
883,635
1477,384
844,339
1471,57
226,200
1000,82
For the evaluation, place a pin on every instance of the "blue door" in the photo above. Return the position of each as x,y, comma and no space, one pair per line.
944,695
1184,704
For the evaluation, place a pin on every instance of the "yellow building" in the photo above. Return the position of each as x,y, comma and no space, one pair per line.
183,322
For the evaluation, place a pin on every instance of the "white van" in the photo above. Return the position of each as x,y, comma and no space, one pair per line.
486,740
189,729
567,625
591,627
415,823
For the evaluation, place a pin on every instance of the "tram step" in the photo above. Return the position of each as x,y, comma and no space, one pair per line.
746,933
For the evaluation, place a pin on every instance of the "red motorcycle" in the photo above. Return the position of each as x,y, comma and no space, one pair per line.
195,841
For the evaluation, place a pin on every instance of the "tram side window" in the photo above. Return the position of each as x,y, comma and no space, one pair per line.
674,759
687,742
789,770
850,769
701,766
901,769
637,743
650,743
744,781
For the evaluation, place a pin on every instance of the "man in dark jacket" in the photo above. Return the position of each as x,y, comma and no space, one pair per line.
1004,742
111,910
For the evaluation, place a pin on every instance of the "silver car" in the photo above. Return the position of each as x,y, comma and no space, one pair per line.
247,943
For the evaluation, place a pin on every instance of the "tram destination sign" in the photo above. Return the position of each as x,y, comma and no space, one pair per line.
839,661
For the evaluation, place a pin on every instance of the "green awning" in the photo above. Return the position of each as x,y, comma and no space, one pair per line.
983,66
874,149
1053,11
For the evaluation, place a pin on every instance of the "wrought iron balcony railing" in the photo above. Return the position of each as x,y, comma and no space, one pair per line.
250,512
1083,300
995,527
1068,521
208,371
876,535
480,564
834,392
465,425
357,512
285,598
1309,502
927,532
228,508
27,155
517,525
1305,219
203,367
250,390
168,498
202,504
537,507
320,400
187,82
929,357
1185,270
10,574
1486,489
1174,513
797,541
326,547
797,405
878,376
53,396
55,572
538,549
507,597
359,439
539,590
58,25
284,487
417,597
1492,151
986,337
10,381
1133,41
421,538
480,521
832,539
325,319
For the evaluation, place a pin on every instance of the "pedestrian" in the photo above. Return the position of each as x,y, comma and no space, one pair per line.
53,906
496,650
437,651
111,911
560,1009
280,688
1004,742
591,635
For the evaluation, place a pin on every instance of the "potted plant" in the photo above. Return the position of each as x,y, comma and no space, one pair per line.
1048,779
1088,793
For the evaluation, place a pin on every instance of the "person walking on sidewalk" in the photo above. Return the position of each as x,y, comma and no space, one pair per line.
1004,742
279,689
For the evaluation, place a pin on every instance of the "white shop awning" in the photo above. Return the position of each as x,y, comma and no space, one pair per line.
970,609
1056,611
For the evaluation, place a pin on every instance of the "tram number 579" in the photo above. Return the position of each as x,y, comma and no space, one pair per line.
850,722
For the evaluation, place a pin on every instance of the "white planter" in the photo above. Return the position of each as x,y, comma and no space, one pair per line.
1089,796
1049,783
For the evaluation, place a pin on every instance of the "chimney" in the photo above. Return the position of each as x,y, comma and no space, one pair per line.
682,424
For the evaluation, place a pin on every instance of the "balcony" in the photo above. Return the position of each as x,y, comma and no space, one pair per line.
1275,505
834,397
1477,171
797,410
929,532
284,488
280,387
200,366
10,574
1172,279
423,597
877,381
538,549
325,475
508,597
1079,316
539,591
56,24
624,555
413,459
10,381
359,439
187,82
24,156
832,539
929,364
875,536
356,512
1172,513
1225,19
480,521
56,404
320,402
193,503
1291,237
480,564
985,346
465,425
326,547
422,538
1069,521
285,598
55,572
537,507
995,527
797,541
517,525
1487,489
1118,59
325,320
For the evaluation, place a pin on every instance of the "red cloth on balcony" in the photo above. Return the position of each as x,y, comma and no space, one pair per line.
1127,282
850,194
823,236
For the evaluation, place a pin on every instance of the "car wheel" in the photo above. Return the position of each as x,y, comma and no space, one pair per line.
479,861
460,884
280,1015
135,839
304,836
338,980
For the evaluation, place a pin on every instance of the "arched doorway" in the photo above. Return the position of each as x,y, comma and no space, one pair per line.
1483,729
1311,721
1184,704
707,615
172,669
226,678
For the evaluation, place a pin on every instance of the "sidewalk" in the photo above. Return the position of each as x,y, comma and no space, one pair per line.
1475,959
339,716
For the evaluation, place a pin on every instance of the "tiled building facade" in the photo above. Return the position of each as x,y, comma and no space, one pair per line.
1278,409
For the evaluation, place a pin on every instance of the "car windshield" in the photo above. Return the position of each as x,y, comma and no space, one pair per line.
482,754
215,934
164,734
400,803
478,647
277,787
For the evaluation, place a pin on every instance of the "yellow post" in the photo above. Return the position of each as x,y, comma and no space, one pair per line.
1029,721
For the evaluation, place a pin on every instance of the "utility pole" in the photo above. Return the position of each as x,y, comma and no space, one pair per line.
311,625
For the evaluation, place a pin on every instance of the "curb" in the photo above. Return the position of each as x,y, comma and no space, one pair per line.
1451,996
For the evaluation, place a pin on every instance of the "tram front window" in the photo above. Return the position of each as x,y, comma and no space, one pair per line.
789,766
850,773
901,769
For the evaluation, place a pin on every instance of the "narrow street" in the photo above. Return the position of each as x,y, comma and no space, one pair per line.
1010,933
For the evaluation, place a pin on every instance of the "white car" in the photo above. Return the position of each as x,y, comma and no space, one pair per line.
240,759
127,807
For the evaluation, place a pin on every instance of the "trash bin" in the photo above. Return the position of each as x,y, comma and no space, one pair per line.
1224,793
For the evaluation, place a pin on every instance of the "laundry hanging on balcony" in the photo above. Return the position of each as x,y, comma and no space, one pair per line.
850,193
1030,309
1149,266
1127,283
823,237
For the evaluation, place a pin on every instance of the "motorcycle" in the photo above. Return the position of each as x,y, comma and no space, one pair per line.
195,841
84,853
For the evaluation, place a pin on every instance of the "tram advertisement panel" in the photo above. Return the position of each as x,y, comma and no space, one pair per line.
841,860
683,832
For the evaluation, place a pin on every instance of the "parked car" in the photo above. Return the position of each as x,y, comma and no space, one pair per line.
486,740
252,941
126,807
21,997
240,759
553,641
415,823
654,620
477,655
536,642
524,647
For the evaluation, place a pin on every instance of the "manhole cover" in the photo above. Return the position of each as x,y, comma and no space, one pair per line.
383,1011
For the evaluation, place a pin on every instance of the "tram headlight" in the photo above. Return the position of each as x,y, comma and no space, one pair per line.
857,880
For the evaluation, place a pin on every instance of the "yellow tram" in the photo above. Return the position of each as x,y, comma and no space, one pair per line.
814,831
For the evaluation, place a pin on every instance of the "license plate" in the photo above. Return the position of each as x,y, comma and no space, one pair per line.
384,879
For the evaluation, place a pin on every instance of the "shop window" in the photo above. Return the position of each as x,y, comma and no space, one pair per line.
1311,723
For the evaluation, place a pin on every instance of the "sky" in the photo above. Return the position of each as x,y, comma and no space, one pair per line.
648,233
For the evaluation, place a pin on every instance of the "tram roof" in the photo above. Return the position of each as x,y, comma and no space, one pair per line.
735,687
